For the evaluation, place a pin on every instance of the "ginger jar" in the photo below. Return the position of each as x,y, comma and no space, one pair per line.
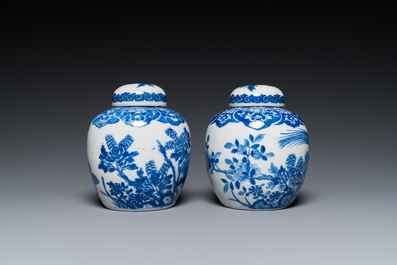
138,151
257,152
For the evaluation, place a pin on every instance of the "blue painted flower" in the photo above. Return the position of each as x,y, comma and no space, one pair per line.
282,185
212,160
168,198
274,196
117,189
256,190
251,88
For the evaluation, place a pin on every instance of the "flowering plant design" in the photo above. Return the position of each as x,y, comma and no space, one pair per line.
244,180
153,186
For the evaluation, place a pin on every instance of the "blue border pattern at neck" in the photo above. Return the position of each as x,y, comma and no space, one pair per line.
257,117
137,116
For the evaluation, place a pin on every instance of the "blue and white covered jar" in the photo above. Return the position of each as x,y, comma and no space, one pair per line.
256,151
138,151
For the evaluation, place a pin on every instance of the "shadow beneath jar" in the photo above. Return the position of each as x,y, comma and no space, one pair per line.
93,199
190,195
304,197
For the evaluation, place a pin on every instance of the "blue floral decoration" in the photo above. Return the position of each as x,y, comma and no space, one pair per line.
153,186
257,117
142,84
250,88
137,116
245,181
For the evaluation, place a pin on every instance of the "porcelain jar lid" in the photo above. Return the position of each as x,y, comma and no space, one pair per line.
139,95
257,95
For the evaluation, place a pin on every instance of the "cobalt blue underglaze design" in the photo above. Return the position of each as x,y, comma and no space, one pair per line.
293,138
250,88
142,96
245,181
257,117
256,151
244,98
142,84
138,151
137,116
154,187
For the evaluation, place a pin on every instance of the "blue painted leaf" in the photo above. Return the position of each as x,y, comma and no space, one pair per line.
103,167
270,155
251,138
234,151
241,193
246,143
229,177
255,146
126,142
224,180
290,162
245,160
273,169
259,137
226,188
237,143
264,158
131,167
103,151
228,161
228,145
252,173
134,153
232,167
263,149
235,160
231,186
244,189
94,179
252,181
237,184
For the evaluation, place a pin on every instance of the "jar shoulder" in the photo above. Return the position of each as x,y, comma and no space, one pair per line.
257,117
138,116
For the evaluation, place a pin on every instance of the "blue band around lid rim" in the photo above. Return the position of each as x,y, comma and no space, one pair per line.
145,96
244,98
139,94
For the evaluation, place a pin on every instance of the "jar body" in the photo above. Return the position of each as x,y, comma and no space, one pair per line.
256,157
138,157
